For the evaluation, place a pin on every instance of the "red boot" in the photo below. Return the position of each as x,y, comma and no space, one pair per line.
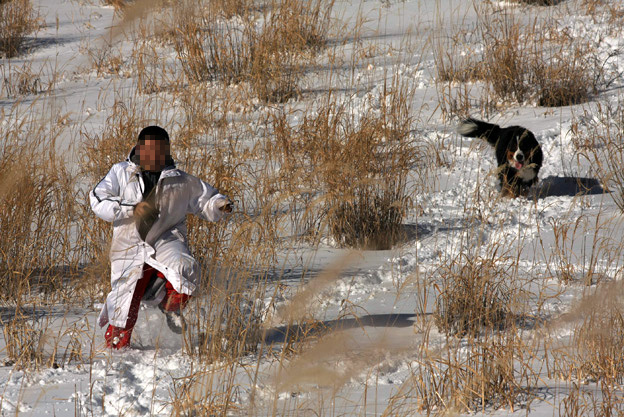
172,305
117,337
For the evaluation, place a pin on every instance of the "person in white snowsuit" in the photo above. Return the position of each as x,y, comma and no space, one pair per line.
147,199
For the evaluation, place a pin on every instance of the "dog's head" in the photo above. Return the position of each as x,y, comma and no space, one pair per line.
520,149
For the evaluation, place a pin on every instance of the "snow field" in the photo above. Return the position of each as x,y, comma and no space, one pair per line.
372,346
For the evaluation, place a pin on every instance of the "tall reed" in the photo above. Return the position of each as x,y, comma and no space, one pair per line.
18,18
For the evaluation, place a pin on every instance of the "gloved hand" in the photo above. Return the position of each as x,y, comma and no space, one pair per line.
144,211
145,215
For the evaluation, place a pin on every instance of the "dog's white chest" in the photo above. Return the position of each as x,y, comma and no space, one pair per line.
526,174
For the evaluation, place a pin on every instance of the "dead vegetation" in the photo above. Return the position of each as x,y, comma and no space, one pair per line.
374,151
35,185
591,359
595,349
490,373
598,137
268,47
18,19
476,295
21,81
301,175
520,59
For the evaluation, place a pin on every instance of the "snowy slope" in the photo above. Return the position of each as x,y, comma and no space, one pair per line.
380,309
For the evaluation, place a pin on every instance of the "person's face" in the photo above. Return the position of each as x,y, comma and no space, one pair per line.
153,153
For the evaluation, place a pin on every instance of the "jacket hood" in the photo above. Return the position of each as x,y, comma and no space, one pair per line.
134,158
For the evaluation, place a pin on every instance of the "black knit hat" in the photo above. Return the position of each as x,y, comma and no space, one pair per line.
158,132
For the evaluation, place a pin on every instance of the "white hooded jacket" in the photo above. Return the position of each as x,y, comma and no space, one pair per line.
165,246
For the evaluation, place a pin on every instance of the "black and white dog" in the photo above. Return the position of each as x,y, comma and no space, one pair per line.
518,153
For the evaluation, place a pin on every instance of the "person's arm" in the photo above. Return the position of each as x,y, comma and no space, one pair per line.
208,203
106,201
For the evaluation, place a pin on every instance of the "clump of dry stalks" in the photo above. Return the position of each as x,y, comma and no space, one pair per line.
592,359
599,138
596,349
22,80
355,168
584,402
267,48
490,373
476,295
24,342
519,60
35,186
18,18
599,9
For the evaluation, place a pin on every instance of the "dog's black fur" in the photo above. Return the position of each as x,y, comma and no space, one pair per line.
518,154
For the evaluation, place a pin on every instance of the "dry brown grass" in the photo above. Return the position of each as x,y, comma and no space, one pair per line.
153,74
374,153
105,60
582,401
24,342
591,361
600,342
566,75
476,295
34,185
32,342
18,18
203,394
599,9
453,66
231,8
586,250
601,141
537,62
489,373
112,145
208,49
505,57
596,348
21,81
268,51
520,59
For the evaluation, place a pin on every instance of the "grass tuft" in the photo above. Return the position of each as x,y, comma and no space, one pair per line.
519,61
355,168
267,51
18,18
475,296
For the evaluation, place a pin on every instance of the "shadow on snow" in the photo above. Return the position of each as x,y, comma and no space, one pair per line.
283,333
566,186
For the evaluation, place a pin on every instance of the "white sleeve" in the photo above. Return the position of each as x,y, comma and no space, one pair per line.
207,201
211,208
106,201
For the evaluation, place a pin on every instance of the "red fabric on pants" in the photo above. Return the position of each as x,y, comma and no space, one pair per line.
173,301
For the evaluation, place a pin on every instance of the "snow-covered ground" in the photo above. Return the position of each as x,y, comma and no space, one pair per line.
380,308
